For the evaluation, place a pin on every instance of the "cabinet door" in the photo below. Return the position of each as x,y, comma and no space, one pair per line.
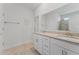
38,43
46,46
55,50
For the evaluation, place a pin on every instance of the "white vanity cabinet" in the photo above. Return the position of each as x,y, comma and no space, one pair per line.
41,44
57,50
59,47
46,45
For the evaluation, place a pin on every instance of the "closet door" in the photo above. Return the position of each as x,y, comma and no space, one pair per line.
12,33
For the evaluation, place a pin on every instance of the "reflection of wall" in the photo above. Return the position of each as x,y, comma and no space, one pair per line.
74,23
52,21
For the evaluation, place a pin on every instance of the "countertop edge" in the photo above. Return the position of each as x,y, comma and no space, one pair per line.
61,38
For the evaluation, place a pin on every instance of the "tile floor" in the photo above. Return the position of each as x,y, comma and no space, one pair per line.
25,49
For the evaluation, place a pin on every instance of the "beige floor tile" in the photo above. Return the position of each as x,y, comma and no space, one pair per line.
24,49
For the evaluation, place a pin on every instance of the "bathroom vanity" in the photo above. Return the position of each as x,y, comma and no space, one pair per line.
49,42
56,44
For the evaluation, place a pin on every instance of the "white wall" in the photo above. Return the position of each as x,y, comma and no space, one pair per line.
1,27
16,34
74,22
52,21
47,7
1,17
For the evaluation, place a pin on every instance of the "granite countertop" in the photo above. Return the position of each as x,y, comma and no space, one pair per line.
61,36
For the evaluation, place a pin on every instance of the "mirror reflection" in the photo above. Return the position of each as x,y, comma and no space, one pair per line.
70,22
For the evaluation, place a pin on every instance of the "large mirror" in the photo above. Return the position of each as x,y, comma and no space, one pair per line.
70,21
64,24
69,18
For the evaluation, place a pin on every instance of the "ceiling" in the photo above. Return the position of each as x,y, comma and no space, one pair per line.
32,6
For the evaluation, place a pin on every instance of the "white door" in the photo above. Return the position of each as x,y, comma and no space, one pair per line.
12,34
